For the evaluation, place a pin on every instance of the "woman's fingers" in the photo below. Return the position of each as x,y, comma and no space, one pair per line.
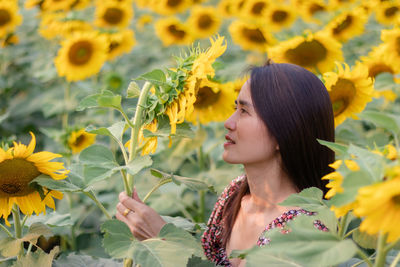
131,203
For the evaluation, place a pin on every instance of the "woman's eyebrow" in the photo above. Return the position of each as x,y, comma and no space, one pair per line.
243,103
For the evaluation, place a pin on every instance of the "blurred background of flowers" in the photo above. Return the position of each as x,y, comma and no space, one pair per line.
54,54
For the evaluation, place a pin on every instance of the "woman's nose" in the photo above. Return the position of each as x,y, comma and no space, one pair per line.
230,123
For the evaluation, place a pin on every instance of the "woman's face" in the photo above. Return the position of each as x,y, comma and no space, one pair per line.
248,140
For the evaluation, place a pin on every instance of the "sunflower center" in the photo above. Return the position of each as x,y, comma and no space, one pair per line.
15,176
254,35
113,45
80,140
257,8
314,8
279,16
113,15
378,69
398,45
205,22
343,25
391,11
396,200
174,3
4,17
176,32
80,52
342,94
307,53
206,97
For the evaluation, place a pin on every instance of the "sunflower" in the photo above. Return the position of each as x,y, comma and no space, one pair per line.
308,9
148,144
336,179
11,39
183,105
144,20
251,36
376,63
18,167
113,14
170,7
33,3
350,91
387,12
81,55
54,5
316,52
79,140
80,4
214,102
347,25
279,16
204,21
391,39
9,18
225,8
237,84
172,32
119,43
340,4
254,9
379,204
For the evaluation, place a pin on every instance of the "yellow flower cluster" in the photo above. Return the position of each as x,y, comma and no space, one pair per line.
9,20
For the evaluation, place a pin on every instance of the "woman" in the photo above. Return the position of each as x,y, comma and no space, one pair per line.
281,111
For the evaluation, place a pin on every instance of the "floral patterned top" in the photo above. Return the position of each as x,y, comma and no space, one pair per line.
211,239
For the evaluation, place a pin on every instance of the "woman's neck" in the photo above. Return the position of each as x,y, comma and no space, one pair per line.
269,185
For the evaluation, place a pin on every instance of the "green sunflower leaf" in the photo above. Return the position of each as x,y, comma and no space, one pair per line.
118,240
390,122
39,258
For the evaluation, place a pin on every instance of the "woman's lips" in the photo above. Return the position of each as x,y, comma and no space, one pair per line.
229,141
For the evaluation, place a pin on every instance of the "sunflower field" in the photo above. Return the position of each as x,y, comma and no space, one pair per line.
101,96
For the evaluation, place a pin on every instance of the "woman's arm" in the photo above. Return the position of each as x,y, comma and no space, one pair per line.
143,221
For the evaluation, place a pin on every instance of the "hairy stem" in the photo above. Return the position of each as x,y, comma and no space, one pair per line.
92,196
162,182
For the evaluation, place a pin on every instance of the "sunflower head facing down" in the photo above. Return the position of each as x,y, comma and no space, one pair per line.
314,51
79,140
350,91
18,167
81,55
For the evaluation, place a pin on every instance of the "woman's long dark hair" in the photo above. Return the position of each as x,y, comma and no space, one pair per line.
295,106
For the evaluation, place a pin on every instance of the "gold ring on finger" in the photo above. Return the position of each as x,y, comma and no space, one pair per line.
126,211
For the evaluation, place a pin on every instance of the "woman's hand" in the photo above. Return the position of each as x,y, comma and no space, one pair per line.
143,221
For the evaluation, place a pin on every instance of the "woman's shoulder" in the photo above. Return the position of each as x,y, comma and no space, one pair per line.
232,187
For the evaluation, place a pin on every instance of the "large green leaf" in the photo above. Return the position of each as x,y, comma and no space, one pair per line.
52,219
304,245
309,199
339,149
156,77
351,182
93,174
369,161
64,185
97,155
88,102
115,131
390,122
195,261
76,260
138,164
39,258
172,247
10,246
118,240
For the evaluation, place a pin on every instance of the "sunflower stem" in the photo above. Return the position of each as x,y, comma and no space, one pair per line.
381,252
391,245
92,196
6,230
137,124
128,262
342,225
24,221
202,194
395,261
18,228
364,257
162,182
66,103
17,221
